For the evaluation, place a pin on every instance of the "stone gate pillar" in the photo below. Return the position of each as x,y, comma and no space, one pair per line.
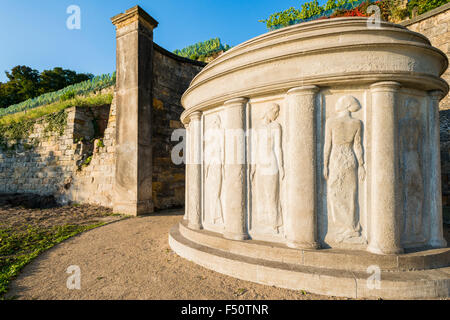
235,184
385,215
436,234
194,171
301,224
133,175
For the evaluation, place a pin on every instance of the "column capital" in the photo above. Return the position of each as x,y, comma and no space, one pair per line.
436,94
305,90
196,115
386,86
132,15
236,101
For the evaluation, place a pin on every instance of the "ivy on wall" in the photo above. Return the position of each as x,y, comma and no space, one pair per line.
12,133
391,10
424,6
56,122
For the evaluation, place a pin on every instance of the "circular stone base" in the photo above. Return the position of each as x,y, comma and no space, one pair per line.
331,272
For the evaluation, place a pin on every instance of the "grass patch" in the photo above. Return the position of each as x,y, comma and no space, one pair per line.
19,247
18,126
33,114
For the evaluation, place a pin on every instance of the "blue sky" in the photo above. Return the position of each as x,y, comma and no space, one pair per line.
34,33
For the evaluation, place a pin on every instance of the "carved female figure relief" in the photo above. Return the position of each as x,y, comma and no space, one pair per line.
268,170
343,163
413,190
214,170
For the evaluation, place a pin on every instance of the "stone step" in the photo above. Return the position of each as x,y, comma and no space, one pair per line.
336,259
433,283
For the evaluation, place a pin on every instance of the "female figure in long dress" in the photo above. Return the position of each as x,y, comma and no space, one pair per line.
214,170
343,158
269,170
413,189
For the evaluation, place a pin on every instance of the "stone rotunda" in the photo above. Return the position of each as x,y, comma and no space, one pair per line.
313,162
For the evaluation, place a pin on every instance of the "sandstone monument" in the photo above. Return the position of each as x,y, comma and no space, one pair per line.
313,158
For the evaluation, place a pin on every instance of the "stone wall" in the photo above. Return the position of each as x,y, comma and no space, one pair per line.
171,77
93,180
435,25
65,164
79,165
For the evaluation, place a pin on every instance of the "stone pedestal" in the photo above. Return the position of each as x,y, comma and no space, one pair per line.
301,166
133,178
235,186
385,220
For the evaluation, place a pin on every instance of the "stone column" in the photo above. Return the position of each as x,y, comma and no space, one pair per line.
385,214
133,178
301,215
194,171
436,234
187,158
235,182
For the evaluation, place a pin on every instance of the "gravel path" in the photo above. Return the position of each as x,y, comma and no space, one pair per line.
131,259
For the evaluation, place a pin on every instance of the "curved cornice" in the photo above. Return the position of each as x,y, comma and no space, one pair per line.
406,57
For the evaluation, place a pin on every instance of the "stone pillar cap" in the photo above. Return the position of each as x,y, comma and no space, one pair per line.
134,14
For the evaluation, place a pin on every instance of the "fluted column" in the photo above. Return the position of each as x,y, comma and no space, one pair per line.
436,234
384,214
194,170
301,220
235,182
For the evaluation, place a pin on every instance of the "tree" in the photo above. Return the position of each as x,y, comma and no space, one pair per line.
58,78
25,83
331,4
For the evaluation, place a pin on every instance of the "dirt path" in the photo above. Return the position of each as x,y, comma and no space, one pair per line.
131,259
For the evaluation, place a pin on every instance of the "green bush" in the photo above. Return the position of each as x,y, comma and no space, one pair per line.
67,96
201,50
312,10
424,6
